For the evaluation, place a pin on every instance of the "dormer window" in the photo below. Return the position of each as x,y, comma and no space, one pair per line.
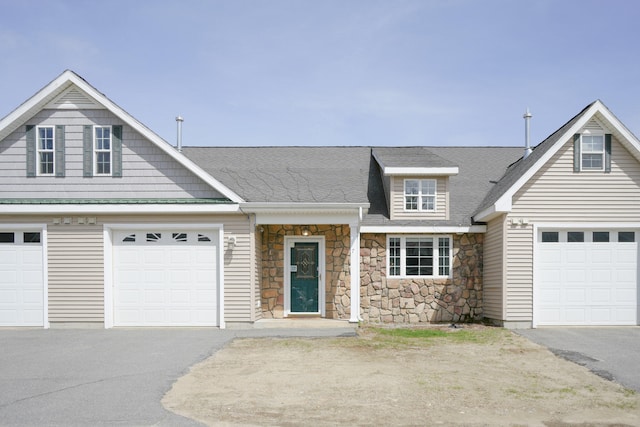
420,195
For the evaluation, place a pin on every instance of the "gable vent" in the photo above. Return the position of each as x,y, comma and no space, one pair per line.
73,98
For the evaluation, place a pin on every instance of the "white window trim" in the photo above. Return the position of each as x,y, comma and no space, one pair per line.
96,151
583,152
40,150
420,195
403,254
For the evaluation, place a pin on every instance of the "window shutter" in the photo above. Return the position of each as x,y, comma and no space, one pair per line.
87,155
31,150
607,152
59,162
116,151
576,152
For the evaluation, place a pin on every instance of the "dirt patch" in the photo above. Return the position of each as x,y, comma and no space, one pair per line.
482,376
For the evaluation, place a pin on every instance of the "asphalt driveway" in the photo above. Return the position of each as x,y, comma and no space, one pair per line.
611,352
80,377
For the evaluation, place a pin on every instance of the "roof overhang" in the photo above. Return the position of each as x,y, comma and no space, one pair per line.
430,171
418,229
622,134
128,208
306,213
68,78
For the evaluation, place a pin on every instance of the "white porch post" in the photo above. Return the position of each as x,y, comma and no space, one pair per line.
354,229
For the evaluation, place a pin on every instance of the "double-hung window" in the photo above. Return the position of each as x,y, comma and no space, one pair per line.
46,150
420,194
419,256
102,150
592,151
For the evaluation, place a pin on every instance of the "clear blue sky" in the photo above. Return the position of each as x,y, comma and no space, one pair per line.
333,72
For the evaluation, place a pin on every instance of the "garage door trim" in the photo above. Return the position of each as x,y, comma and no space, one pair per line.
42,228
587,226
108,262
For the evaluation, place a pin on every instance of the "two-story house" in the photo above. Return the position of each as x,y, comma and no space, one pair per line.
104,223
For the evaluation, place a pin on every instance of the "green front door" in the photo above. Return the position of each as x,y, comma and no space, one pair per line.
304,277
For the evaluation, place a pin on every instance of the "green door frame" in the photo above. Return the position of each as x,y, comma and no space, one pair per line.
289,243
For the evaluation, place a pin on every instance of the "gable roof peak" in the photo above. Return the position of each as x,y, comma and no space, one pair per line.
499,199
64,81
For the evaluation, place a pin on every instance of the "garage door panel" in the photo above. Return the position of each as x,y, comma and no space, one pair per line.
21,282
176,280
575,296
625,315
602,254
595,283
574,315
571,276
601,296
573,255
601,315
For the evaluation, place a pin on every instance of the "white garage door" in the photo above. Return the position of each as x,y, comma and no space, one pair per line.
586,277
21,279
165,278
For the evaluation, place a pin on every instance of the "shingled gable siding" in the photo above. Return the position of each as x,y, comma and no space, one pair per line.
148,172
557,194
494,268
397,199
421,300
337,277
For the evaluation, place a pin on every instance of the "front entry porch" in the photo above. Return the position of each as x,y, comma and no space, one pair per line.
289,283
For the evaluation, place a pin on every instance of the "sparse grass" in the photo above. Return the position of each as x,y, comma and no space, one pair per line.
424,337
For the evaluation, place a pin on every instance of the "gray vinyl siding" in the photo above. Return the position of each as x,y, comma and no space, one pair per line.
397,199
76,273
493,272
147,171
557,194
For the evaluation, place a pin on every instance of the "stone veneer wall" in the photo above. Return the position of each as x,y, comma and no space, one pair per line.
455,299
337,278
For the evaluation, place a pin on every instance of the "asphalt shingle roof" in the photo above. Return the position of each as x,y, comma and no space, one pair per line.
351,175
517,169
289,174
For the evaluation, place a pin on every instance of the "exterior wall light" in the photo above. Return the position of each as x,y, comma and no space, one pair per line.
305,231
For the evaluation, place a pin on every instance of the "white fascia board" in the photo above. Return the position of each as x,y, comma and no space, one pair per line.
62,82
587,225
255,207
502,206
28,108
620,127
434,171
305,213
306,218
117,209
389,229
505,200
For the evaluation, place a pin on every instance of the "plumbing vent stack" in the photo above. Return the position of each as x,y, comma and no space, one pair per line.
527,147
179,121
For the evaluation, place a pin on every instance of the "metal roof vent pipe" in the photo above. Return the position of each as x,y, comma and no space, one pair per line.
527,147
179,121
